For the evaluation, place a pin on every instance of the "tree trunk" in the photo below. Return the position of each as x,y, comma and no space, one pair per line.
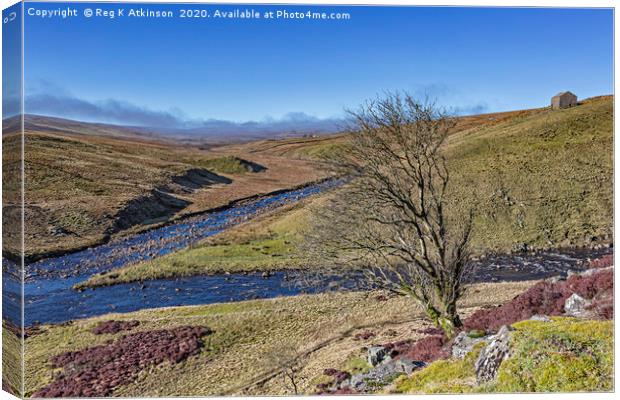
449,320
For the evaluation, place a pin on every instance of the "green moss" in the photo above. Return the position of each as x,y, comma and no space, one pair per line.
357,365
260,255
476,333
443,376
565,355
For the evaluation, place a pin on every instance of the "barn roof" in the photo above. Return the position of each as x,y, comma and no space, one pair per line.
563,93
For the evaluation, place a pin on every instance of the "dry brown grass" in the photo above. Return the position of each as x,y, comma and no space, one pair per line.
233,360
79,183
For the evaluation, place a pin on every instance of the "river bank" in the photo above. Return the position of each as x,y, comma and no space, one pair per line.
325,327
49,294
168,238
52,300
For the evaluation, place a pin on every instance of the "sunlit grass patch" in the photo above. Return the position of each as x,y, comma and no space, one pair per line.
565,355
229,165
269,243
443,376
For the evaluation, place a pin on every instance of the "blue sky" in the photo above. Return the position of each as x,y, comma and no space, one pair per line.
471,59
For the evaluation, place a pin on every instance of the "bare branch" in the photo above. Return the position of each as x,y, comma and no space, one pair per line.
390,219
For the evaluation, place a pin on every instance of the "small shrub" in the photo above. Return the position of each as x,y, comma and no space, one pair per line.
427,349
96,371
339,376
114,326
364,335
543,298
430,331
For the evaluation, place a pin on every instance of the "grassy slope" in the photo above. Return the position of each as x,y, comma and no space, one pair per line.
11,360
539,177
79,182
237,354
228,165
565,355
544,179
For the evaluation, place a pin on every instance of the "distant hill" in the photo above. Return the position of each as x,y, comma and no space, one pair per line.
215,132
86,182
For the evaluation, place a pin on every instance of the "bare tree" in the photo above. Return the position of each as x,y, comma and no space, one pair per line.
390,217
286,360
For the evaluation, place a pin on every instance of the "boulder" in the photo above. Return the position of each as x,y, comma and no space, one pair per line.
492,356
376,354
464,343
575,306
408,365
383,374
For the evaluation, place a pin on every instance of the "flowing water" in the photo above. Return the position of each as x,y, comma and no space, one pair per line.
49,297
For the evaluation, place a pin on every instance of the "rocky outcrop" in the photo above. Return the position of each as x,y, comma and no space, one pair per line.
376,354
464,343
575,305
492,356
383,374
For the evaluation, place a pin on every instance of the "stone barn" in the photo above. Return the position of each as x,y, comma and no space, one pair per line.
563,100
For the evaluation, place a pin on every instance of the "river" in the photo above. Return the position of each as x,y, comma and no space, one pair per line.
49,297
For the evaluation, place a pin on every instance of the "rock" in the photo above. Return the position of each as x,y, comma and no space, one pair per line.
492,356
408,365
384,374
539,317
575,306
376,354
463,344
